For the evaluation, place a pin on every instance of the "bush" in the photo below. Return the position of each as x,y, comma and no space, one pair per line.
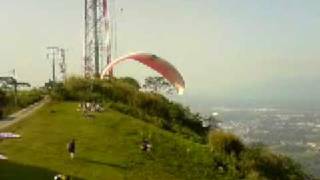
263,163
24,99
128,80
126,109
225,143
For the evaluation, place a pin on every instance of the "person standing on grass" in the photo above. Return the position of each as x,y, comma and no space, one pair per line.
72,148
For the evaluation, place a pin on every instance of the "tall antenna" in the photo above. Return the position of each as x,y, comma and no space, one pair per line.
58,56
115,30
108,22
62,64
52,54
97,40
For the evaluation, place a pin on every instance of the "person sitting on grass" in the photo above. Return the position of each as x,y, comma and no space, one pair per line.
72,148
61,177
2,157
146,146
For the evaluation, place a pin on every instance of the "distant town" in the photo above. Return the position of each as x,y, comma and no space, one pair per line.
286,131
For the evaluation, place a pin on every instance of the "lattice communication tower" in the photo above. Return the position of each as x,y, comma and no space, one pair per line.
97,40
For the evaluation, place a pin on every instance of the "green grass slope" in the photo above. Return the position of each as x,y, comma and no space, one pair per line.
107,148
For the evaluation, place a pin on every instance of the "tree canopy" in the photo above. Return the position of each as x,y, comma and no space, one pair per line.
3,102
158,84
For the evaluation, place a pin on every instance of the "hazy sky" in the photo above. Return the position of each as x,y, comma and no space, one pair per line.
226,49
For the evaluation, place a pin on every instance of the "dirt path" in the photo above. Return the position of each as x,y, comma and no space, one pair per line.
20,115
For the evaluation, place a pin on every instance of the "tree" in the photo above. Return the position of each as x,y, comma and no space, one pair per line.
158,84
131,81
3,101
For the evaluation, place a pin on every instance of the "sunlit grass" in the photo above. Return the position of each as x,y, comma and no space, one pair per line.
107,147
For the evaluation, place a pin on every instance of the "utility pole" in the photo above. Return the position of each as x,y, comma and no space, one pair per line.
52,54
58,56
62,64
15,84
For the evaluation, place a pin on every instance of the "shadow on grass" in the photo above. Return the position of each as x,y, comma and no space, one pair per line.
13,171
113,165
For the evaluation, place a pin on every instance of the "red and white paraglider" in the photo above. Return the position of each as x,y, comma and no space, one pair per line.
163,67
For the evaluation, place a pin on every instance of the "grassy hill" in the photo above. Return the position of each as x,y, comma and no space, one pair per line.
108,145
108,148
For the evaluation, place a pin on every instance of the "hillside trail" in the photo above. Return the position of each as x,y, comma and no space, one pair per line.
22,114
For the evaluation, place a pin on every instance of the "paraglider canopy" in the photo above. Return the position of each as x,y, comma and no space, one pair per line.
163,67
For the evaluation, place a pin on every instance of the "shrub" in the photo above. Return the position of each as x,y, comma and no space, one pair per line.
271,166
225,143
126,109
24,99
131,81
154,105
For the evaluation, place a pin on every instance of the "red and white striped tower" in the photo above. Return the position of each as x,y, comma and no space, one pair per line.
97,38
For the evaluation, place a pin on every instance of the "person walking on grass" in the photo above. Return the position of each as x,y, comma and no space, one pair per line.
72,148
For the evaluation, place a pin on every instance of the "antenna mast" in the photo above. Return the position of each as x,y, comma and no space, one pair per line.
97,39
52,54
